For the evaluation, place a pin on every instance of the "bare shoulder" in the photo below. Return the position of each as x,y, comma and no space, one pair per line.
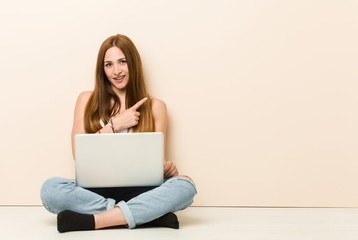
158,106
84,96
82,101
159,110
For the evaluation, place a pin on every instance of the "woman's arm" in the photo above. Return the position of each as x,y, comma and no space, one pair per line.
159,110
78,121
78,124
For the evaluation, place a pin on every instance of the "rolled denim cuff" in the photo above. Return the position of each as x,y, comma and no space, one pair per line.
110,203
127,214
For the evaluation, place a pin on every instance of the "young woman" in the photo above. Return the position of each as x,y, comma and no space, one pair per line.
119,103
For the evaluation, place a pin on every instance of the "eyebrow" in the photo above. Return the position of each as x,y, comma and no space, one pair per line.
118,59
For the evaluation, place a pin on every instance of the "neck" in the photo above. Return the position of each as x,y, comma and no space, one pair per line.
121,95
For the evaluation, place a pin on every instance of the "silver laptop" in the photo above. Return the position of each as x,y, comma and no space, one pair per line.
119,159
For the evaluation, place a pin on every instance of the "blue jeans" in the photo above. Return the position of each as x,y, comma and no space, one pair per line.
58,194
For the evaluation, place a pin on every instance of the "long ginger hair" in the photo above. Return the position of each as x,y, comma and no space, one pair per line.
104,102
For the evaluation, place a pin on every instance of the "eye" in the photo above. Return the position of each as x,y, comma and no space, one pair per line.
108,64
123,61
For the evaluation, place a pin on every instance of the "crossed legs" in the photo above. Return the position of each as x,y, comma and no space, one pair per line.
153,207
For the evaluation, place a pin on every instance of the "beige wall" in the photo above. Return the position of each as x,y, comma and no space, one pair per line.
262,95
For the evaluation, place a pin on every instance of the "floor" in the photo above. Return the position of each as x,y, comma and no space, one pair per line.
200,223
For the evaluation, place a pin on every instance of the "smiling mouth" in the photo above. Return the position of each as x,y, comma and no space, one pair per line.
119,78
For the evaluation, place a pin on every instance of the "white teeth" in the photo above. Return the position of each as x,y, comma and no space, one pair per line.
120,77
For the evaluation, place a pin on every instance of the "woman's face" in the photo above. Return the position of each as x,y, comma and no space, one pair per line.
115,68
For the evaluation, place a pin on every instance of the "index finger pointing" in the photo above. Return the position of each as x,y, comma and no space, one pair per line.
139,103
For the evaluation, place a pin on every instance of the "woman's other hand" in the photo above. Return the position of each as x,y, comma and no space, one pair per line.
170,170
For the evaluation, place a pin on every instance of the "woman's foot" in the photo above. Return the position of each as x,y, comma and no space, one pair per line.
168,220
72,221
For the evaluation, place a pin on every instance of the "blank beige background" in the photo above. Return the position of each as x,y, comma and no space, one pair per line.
262,95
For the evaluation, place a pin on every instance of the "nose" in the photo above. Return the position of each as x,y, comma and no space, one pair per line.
117,69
